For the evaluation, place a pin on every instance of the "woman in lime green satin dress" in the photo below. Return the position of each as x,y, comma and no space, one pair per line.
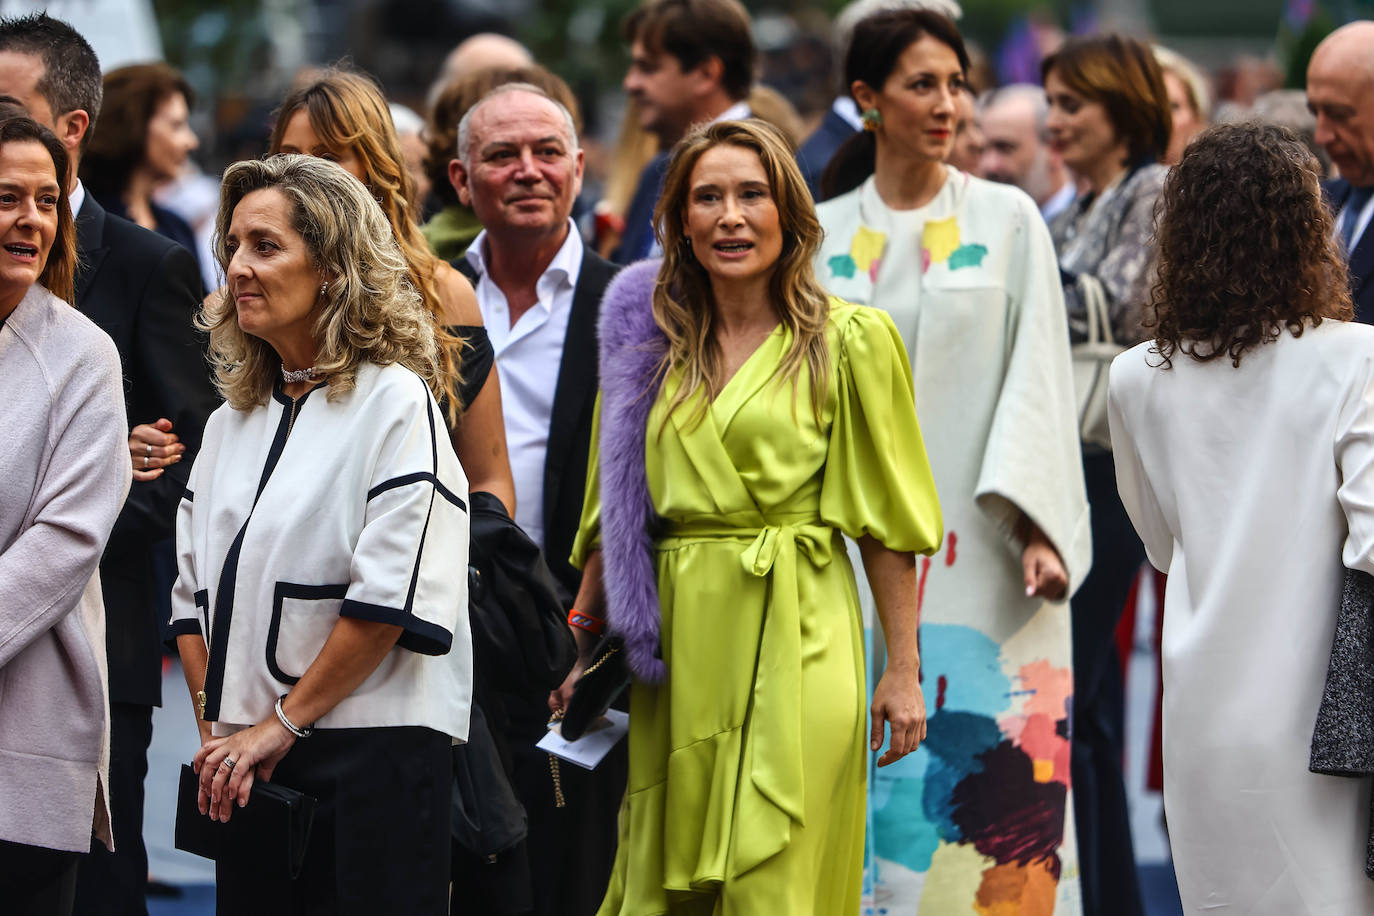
747,422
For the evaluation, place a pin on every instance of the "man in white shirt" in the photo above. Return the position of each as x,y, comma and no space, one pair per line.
1340,92
1015,151
539,288
519,167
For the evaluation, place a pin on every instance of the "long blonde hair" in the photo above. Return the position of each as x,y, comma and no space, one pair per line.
683,304
347,110
370,311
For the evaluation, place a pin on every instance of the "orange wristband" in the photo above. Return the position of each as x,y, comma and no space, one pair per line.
593,625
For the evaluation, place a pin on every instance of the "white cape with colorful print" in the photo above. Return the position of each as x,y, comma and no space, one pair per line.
980,818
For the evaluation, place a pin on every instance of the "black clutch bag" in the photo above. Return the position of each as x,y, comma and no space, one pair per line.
273,827
605,679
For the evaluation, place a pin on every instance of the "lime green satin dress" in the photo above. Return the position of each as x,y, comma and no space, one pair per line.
747,766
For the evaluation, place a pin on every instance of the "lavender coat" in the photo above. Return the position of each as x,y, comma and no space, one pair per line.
631,346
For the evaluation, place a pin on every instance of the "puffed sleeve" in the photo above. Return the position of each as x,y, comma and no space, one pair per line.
877,478
589,529
1355,457
1137,495
409,563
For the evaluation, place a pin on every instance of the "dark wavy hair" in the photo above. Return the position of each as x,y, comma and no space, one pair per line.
693,31
132,97
1246,246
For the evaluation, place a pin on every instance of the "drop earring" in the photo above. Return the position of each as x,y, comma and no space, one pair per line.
872,119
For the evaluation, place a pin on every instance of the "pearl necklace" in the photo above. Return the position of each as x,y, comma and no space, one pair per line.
292,376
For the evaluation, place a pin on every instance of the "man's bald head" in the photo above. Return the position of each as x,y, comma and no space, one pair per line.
1340,92
483,51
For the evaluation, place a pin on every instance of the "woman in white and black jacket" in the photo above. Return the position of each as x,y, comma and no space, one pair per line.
322,548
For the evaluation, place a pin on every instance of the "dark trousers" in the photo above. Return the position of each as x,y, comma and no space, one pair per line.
116,883
572,848
380,838
36,881
1106,856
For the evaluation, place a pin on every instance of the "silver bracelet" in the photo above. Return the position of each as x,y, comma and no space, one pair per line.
287,724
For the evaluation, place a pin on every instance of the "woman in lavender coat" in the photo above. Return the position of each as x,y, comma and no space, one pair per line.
65,477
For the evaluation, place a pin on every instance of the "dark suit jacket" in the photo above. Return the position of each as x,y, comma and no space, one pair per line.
1361,259
638,239
570,428
814,154
143,289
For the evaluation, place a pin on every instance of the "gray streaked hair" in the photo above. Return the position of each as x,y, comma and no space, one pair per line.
1040,109
370,311
465,124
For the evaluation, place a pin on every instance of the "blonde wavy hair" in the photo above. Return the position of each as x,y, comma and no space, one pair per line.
347,110
683,304
370,312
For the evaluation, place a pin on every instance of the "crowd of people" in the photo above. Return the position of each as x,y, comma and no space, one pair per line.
416,464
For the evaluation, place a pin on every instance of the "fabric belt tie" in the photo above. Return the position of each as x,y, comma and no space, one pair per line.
773,745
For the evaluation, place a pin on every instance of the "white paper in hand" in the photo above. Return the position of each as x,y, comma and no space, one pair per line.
595,743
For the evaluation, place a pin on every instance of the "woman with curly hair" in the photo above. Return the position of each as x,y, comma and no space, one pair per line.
747,421
1244,444
318,540
1110,120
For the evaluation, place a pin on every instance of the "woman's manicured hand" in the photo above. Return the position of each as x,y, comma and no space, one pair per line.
228,766
154,447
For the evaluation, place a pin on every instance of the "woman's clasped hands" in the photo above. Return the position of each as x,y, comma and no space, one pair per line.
228,766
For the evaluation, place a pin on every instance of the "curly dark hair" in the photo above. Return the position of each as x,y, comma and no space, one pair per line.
1246,246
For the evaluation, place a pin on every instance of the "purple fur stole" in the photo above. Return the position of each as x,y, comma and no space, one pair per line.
631,346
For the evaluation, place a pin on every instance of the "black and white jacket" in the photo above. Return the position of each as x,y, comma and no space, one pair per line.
297,513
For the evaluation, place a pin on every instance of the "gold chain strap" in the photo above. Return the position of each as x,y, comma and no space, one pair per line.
602,660
556,771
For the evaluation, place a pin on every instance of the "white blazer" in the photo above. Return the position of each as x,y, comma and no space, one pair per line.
297,513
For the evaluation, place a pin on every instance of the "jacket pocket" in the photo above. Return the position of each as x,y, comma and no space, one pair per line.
302,618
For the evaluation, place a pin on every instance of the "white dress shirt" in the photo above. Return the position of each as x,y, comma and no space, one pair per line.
1361,222
848,109
528,356
77,198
